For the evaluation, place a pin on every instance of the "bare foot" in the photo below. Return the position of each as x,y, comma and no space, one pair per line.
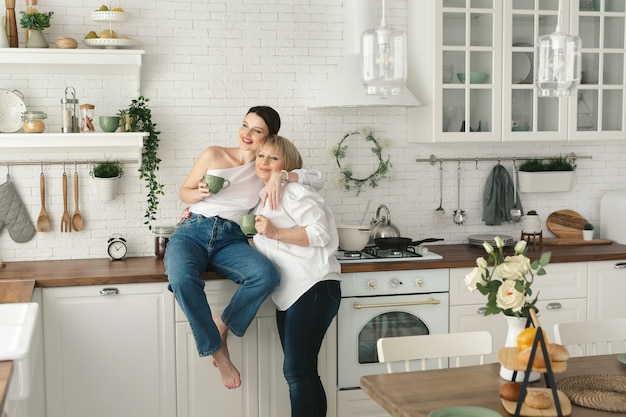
223,330
230,375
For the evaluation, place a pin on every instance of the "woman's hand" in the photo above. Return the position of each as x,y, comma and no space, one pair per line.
203,189
184,215
264,226
273,190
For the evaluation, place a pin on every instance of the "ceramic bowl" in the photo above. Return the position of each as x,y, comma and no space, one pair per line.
475,77
353,237
109,123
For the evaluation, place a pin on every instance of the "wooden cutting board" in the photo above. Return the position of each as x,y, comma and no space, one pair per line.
566,224
553,241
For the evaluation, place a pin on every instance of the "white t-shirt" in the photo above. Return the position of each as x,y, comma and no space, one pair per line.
301,267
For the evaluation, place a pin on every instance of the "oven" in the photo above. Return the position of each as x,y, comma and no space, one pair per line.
386,304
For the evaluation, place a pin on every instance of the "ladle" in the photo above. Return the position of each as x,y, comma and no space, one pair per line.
43,221
516,214
77,219
459,215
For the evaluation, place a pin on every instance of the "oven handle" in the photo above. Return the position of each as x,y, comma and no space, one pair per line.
358,306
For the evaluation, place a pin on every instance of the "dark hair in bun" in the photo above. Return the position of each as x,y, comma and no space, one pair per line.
269,115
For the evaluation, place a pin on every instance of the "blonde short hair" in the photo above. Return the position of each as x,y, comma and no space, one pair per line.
285,148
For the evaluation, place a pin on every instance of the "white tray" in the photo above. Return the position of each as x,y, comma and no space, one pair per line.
110,43
110,16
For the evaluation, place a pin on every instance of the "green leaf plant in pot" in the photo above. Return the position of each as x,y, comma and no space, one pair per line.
106,174
547,175
138,118
36,22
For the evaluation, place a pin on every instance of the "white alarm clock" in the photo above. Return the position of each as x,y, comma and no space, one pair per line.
116,247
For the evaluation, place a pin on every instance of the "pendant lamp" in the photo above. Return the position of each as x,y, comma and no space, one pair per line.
559,62
384,65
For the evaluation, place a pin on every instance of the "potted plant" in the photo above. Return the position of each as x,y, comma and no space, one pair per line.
106,174
547,175
588,231
139,117
36,22
531,222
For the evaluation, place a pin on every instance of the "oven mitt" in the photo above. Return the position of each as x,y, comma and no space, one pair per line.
13,214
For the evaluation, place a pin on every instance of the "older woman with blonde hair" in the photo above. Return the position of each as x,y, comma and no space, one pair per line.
300,237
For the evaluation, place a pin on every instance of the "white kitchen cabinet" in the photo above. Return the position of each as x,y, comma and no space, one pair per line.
607,286
259,358
109,351
562,297
498,38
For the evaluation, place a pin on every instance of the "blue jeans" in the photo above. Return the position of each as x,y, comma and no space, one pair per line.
302,328
199,243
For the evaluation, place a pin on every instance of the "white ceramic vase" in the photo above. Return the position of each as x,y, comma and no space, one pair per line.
106,188
515,325
36,39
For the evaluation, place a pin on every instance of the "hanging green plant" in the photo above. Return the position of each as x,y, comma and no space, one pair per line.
141,121
346,179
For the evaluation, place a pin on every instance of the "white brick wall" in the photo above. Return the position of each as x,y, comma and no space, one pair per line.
206,64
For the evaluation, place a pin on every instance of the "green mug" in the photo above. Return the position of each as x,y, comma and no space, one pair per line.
215,183
247,224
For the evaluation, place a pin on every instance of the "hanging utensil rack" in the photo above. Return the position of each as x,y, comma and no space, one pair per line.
433,159
9,164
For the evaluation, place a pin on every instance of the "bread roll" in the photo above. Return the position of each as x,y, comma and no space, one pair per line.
557,353
524,356
538,399
510,391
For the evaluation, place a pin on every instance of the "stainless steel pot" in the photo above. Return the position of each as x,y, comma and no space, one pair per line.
381,227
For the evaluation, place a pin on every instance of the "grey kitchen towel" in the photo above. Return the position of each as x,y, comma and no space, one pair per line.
13,214
498,197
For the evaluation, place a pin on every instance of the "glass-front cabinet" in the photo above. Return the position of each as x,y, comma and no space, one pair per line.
472,63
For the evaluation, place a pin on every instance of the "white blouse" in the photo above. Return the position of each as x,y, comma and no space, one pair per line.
301,267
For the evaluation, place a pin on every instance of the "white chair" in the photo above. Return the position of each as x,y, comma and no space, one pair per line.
589,338
433,346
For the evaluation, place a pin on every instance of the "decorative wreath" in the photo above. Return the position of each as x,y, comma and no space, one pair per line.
346,179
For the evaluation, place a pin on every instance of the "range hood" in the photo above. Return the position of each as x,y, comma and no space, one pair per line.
344,87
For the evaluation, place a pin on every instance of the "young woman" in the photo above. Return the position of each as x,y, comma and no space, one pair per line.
210,237
300,237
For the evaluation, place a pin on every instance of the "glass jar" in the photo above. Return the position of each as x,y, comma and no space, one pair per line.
34,121
162,236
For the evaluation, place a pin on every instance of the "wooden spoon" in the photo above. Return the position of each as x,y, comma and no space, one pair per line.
43,221
77,219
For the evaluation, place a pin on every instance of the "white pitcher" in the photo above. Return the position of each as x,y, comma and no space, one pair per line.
4,41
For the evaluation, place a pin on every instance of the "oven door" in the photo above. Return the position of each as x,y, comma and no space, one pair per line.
361,321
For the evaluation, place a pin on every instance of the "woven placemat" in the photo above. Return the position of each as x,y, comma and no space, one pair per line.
600,392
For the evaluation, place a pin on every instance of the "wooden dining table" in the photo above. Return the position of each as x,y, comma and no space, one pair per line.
417,394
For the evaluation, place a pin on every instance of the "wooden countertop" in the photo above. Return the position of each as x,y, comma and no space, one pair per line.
71,272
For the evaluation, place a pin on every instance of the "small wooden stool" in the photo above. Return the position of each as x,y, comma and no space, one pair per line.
535,238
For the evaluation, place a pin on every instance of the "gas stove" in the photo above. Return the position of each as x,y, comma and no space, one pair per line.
374,254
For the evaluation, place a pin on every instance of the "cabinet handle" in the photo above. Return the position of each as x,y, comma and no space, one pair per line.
553,306
481,311
620,265
109,291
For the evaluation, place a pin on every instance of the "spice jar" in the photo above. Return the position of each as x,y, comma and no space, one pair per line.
34,121
86,113
162,236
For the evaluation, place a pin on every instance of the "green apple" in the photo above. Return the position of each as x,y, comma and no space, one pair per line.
103,8
91,35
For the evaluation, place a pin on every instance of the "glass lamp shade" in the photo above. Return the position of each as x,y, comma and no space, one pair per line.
558,70
384,66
